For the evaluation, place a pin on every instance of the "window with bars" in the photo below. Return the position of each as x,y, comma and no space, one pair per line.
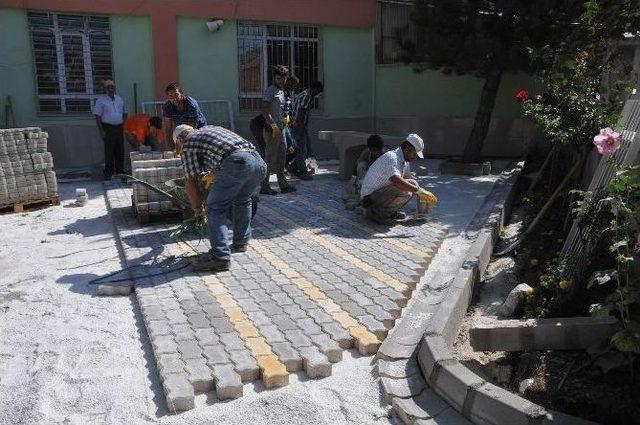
72,55
261,46
394,26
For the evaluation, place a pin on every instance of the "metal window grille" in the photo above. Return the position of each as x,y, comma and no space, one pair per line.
72,56
261,46
393,25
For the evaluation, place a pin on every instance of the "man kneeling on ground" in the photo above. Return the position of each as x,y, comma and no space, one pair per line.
238,170
387,187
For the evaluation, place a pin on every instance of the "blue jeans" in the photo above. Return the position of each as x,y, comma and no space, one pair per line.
237,180
303,149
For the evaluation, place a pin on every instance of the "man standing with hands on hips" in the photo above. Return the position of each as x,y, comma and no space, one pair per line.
238,170
110,113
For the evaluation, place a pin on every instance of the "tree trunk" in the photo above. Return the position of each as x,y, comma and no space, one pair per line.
473,148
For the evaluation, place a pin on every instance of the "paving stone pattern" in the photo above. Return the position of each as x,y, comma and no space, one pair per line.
316,280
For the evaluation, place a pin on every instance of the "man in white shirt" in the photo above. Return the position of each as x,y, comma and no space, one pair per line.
110,113
387,187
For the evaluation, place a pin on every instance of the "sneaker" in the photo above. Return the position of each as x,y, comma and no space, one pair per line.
238,248
288,189
209,263
399,215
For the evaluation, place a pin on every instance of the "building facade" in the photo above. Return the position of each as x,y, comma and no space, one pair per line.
55,55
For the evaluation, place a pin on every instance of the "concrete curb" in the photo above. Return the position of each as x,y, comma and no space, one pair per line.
476,399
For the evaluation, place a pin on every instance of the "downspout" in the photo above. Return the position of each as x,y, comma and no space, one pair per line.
374,116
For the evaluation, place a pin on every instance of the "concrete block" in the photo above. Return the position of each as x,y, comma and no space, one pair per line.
481,250
215,355
287,355
273,372
170,363
199,374
465,169
425,405
452,381
573,333
404,387
245,365
179,392
316,364
392,350
227,381
328,347
449,416
491,404
402,368
514,300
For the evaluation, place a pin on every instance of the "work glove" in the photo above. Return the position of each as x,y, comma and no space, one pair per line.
427,196
201,217
207,180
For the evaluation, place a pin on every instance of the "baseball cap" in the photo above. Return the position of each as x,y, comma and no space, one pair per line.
416,142
109,83
179,130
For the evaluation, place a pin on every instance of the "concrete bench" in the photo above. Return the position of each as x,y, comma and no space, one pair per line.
350,145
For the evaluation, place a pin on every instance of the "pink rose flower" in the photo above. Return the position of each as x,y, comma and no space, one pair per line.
607,142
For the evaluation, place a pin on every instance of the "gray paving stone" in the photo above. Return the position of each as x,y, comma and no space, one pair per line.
164,344
183,332
176,317
207,337
284,322
199,374
179,392
297,338
227,381
338,334
328,347
190,349
248,305
305,303
287,355
215,354
271,308
320,317
198,321
308,326
388,305
170,363
374,326
245,365
271,333
352,308
222,325
401,368
158,328
259,318
316,364
153,312
383,316
232,342
294,311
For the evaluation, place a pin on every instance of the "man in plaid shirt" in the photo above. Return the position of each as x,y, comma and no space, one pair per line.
302,104
238,170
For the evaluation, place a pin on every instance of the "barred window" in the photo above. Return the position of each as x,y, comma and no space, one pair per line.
394,27
261,46
72,55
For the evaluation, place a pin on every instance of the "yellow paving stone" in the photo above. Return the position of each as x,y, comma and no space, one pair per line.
273,371
314,293
258,346
217,289
345,319
366,342
301,282
226,300
329,306
236,314
246,329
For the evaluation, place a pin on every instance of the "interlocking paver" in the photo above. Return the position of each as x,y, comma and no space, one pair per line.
295,300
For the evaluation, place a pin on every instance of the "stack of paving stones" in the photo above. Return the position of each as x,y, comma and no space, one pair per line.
315,281
26,168
155,168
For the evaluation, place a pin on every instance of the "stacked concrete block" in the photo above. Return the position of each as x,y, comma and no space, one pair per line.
26,168
155,168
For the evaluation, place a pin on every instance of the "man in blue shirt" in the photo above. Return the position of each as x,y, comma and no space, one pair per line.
180,109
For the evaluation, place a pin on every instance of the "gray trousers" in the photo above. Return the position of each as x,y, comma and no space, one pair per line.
386,201
275,155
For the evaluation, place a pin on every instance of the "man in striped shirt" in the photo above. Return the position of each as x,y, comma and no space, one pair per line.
387,187
238,170
302,104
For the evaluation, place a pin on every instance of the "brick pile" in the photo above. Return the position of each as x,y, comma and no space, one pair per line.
155,168
26,168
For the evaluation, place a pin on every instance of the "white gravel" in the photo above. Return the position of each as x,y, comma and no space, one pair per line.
70,357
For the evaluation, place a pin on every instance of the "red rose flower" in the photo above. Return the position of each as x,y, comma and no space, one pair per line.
522,95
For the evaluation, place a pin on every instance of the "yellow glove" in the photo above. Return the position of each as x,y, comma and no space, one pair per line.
201,216
286,121
427,196
207,179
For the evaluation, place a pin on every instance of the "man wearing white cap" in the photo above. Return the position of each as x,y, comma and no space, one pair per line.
386,187
110,113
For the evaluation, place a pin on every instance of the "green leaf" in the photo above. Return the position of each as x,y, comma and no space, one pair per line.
627,340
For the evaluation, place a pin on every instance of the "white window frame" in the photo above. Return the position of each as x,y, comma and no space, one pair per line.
263,38
64,94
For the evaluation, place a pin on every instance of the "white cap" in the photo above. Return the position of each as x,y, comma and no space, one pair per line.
416,142
109,83
180,130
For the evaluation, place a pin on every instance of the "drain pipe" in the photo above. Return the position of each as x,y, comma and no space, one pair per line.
374,82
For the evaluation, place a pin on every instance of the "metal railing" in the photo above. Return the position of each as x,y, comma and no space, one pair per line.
216,111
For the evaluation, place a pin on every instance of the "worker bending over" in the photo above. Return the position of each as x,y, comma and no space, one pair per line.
238,170
143,130
387,187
